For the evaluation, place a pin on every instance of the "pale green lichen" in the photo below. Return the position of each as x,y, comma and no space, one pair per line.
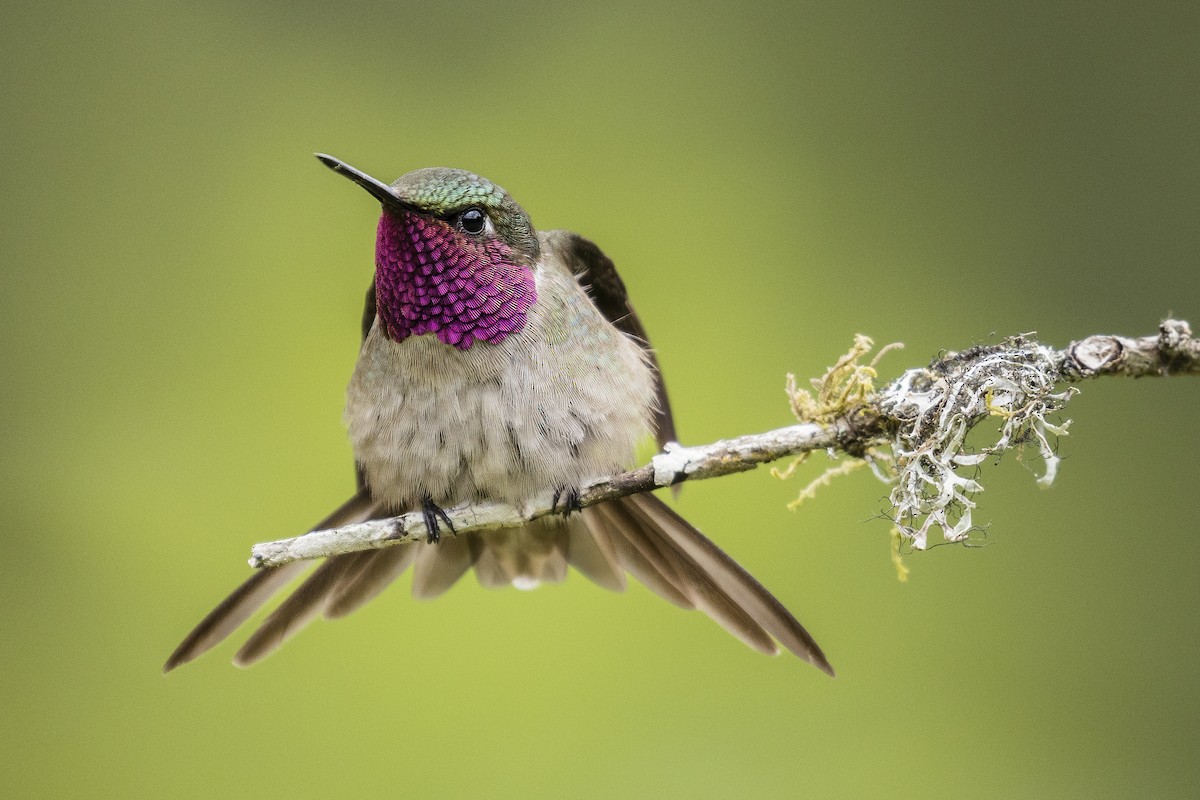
822,480
845,386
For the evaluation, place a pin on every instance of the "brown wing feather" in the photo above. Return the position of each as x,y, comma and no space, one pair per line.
368,320
598,275
368,315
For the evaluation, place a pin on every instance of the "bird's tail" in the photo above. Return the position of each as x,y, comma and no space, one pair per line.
261,587
638,535
643,536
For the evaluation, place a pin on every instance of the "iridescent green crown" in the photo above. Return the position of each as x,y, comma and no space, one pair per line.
441,190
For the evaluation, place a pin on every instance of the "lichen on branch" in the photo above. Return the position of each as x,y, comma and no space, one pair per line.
925,418
934,410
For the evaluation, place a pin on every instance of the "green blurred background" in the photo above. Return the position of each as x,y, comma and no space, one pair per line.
179,310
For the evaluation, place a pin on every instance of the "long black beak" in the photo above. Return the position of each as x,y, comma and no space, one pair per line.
377,189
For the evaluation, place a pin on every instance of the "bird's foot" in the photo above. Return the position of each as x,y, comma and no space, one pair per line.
434,517
570,501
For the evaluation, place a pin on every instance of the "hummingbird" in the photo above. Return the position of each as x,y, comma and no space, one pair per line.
499,363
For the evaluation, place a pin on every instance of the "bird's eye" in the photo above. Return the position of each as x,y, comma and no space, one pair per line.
472,221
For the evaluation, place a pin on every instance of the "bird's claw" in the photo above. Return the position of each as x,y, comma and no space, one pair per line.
570,498
434,516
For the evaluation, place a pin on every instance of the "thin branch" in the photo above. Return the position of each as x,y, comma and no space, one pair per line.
665,469
1174,351
1013,380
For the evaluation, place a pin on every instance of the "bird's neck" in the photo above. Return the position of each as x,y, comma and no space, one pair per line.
431,278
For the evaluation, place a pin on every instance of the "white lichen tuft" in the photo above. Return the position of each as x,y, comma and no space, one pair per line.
935,408
925,418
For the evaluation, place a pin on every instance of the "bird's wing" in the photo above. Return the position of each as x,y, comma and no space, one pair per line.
598,275
368,320
368,316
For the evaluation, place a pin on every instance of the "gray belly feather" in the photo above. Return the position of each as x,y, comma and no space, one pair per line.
564,400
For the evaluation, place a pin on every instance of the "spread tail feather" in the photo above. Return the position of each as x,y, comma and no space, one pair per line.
638,534
376,572
259,588
439,565
297,610
591,553
740,587
699,586
606,524
525,557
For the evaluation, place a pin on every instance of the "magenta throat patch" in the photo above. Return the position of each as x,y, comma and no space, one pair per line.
432,278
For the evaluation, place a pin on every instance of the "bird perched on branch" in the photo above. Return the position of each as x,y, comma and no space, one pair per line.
499,363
